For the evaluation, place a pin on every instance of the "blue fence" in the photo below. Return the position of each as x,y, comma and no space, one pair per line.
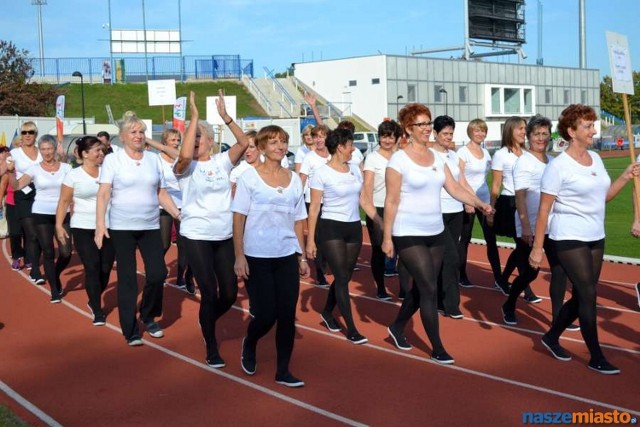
135,69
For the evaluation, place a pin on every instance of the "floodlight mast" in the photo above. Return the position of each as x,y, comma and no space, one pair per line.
40,3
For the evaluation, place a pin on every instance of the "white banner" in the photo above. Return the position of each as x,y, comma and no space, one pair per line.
620,63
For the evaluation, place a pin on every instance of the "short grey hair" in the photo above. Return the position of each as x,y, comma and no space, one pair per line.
538,121
47,139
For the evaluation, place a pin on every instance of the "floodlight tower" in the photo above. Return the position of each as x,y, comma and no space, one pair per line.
40,3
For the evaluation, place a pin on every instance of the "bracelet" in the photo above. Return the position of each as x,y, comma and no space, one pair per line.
229,122
303,260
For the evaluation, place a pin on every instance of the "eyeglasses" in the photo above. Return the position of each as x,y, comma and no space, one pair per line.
423,125
28,132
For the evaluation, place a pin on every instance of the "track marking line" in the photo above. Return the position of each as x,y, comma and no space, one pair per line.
29,406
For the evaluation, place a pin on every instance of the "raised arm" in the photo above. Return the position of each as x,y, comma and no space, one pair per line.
185,156
311,100
242,140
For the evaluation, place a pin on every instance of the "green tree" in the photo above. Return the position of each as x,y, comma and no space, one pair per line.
19,96
612,102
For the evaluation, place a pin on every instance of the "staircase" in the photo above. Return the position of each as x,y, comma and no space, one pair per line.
609,119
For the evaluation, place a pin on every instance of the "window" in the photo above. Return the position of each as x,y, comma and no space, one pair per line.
583,97
462,94
437,93
411,93
353,83
509,100
566,96
547,96
375,81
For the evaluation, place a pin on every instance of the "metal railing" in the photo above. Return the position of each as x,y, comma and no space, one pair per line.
328,110
284,95
257,93
135,69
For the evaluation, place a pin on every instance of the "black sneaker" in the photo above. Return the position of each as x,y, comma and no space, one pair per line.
56,299
322,283
573,327
401,294
289,380
154,329
390,273
555,349
604,367
503,287
400,340
356,338
247,362
443,358
509,317
383,296
99,320
216,361
134,341
181,284
532,298
465,283
454,314
330,322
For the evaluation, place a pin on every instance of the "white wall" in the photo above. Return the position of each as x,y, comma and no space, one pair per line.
331,80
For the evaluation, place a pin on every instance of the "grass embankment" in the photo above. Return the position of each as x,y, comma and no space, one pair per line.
9,419
618,220
134,97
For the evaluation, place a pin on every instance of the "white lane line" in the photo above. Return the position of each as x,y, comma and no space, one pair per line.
29,406
50,421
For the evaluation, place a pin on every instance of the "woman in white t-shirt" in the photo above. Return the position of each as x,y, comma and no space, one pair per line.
575,188
527,174
268,208
311,163
308,145
372,198
207,220
413,223
250,159
337,230
47,178
503,196
23,157
80,187
132,184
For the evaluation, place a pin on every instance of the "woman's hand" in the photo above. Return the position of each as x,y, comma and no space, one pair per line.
535,257
311,249
469,209
635,228
303,268
488,211
387,248
192,105
241,267
100,234
61,234
310,98
222,108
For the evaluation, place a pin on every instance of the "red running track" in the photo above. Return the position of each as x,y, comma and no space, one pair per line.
56,368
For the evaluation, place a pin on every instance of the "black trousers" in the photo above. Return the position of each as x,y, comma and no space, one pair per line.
377,256
273,287
97,265
449,276
166,221
45,227
125,243
16,236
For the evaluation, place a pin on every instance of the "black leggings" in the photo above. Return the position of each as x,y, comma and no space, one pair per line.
320,261
422,256
492,248
32,246
97,265
166,221
212,266
449,275
149,243
45,226
527,274
582,262
16,236
340,242
377,256
273,287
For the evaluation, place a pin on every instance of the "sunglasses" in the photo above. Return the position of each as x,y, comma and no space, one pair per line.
28,132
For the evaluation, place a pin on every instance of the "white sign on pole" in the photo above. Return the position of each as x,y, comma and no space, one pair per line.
212,111
149,124
620,63
162,92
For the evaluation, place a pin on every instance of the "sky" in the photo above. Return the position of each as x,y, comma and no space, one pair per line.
276,33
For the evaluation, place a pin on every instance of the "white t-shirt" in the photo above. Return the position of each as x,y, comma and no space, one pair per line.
503,160
239,170
527,174
475,171
206,199
419,212
340,193
447,203
271,214
356,157
301,153
377,163
47,188
312,161
580,192
22,162
173,188
134,190
85,189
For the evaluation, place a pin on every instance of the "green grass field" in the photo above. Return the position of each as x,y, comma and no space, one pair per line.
9,419
618,219
135,97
